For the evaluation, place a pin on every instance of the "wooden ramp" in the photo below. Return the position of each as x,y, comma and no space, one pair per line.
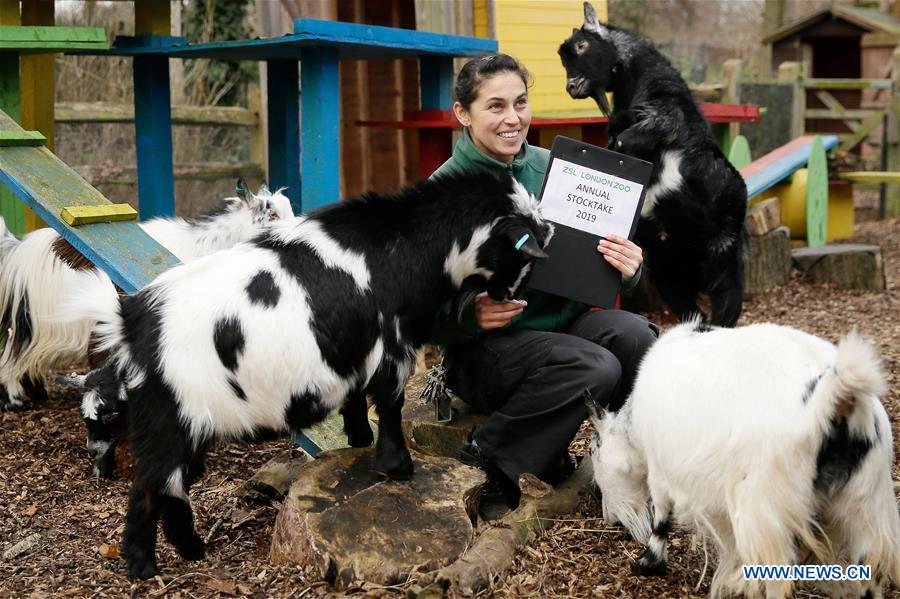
123,250
46,184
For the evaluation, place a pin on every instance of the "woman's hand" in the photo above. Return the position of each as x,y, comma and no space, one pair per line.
623,254
491,314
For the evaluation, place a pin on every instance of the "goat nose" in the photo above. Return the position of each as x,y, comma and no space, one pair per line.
570,86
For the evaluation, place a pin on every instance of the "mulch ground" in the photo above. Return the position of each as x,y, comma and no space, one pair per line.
60,527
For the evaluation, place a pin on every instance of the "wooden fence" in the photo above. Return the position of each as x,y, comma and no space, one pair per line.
217,116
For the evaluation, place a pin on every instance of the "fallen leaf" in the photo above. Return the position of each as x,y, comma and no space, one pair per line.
109,551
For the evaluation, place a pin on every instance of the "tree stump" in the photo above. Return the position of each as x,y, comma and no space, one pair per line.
349,522
850,266
424,433
767,263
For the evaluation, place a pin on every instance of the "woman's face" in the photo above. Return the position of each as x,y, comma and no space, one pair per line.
499,117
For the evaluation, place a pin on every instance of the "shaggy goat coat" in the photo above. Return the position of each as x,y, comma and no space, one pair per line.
275,333
766,440
37,274
692,220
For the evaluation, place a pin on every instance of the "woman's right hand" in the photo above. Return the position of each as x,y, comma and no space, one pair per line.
491,314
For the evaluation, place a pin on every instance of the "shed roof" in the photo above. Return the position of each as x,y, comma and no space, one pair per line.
868,19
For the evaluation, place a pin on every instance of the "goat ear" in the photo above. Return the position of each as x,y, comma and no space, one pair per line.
243,192
73,380
525,242
264,189
592,22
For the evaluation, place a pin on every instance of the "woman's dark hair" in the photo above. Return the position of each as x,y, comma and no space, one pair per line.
484,67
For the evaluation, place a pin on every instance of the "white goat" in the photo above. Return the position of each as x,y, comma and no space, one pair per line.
767,440
37,272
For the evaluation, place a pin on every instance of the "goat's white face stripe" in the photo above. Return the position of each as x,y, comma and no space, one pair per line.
670,179
89,404
310,233
463,263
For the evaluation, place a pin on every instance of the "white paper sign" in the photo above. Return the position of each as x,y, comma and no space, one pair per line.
589,200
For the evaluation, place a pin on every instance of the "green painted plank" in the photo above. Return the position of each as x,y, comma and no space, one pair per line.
43,38
817,195
47,185
22,138
739,153
10,208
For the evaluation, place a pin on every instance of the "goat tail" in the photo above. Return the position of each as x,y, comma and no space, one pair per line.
93,297
844,387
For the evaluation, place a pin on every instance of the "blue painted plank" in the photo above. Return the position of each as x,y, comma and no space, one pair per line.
320,135
43,182
436,82
283,87
781,169
153,137
353,41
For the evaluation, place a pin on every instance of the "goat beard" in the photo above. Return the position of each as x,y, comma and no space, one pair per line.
599,96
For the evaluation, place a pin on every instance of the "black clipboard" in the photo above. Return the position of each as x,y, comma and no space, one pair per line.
574,268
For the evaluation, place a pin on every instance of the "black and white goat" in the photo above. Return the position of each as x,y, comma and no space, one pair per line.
766,440
275,333
37,273
692,220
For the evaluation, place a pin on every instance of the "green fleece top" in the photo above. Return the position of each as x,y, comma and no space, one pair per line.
544,312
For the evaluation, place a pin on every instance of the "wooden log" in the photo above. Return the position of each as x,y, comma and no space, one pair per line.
274,479
850,266
763,216
767,264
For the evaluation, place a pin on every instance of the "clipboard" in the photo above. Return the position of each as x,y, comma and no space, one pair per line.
599,184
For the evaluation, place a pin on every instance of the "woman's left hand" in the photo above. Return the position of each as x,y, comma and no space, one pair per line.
623,254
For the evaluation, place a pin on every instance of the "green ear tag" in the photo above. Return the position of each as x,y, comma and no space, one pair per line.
522,241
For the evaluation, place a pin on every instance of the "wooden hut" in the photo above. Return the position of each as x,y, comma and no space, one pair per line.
839,42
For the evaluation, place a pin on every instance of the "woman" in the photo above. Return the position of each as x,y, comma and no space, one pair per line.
527,363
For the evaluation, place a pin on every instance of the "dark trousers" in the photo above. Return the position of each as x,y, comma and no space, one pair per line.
532,384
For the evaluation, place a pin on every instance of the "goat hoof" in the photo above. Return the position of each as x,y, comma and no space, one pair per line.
193,548
142,570
361,438
398,469
648,564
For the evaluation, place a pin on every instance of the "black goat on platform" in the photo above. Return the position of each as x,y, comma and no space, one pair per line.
692,221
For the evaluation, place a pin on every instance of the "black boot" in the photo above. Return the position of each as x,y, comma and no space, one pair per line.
500,494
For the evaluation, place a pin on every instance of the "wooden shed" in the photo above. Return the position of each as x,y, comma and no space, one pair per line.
840,42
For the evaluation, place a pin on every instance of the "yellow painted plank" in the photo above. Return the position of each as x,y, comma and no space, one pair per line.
9,12
103,213
872,176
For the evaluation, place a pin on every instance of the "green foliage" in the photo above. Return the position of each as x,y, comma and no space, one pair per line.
217,81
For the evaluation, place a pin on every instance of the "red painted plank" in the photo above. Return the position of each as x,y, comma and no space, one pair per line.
776,155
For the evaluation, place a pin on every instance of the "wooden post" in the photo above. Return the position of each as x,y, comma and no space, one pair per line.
153,115
10,102
731,79
321,110
257,131
793,72
38,80
892,196
283,110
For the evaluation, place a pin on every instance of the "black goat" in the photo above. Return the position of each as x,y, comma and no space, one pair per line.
692,221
